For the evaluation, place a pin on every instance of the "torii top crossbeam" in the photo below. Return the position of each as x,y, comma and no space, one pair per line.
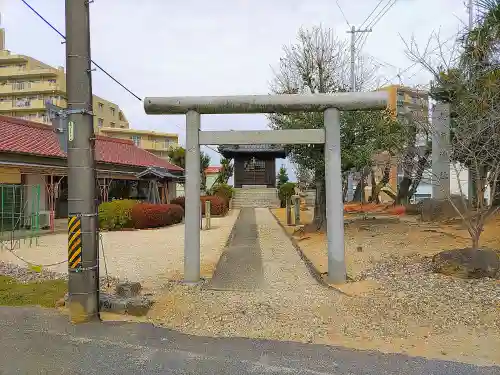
266,103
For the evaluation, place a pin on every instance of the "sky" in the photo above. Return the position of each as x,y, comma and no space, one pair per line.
219,47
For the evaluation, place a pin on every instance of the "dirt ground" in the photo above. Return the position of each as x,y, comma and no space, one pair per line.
388,262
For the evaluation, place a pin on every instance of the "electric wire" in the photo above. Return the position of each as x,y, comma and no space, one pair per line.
93,62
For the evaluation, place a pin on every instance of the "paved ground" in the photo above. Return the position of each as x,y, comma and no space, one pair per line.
240,266
150,256
36,341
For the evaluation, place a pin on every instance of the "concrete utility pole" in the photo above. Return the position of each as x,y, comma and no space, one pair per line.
471,181
83,245
353,33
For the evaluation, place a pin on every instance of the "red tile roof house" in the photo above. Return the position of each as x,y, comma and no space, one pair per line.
30,154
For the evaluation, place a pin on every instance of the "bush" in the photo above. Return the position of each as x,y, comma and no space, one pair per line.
116,214
285,192
218,205
224,191
181,201
147,215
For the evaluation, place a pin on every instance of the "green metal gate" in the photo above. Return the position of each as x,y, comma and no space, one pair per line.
19,211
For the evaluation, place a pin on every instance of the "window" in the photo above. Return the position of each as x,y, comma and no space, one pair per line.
18,85
112,124
101,106
136,139
23,102
52,81
112,110
254,165
100,121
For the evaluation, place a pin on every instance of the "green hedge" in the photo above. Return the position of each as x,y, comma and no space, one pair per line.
116,214
285,192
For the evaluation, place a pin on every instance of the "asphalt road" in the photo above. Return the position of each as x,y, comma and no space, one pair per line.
35,341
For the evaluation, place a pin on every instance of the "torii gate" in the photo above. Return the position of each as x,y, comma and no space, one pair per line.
329,104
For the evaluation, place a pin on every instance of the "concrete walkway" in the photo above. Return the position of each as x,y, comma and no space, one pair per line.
261,256
240,266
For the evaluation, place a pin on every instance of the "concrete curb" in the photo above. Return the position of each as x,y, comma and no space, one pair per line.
309,265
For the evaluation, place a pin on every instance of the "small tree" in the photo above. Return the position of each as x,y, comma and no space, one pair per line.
226,171
177,156
282,177
204,164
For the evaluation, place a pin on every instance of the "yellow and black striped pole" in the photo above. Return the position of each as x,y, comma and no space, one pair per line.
74,243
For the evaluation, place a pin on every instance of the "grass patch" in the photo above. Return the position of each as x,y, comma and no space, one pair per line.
44,293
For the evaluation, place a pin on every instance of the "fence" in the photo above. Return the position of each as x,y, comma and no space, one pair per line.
19,213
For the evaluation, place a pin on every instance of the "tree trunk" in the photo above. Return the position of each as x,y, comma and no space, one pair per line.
319,221
357,192
345,185
475,241
378,187
404,188
374,195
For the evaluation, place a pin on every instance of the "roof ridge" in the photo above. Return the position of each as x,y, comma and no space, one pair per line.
27,123
115,140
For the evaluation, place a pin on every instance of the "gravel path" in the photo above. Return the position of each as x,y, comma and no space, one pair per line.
148,256
411,310
288,305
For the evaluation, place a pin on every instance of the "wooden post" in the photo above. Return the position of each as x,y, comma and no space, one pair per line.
296,208
288,212
207,215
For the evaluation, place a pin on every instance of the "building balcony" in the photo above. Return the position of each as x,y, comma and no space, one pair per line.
14,72
30,88
147,145
28,105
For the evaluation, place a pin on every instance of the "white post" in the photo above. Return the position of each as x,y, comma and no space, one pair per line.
334,203
193,205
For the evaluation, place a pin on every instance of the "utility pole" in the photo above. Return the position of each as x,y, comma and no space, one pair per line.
471,180
471,14
83,243
353,33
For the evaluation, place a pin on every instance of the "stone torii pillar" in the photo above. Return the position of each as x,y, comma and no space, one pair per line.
329,104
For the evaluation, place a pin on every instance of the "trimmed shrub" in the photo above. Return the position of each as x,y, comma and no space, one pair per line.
116,214
224,191
147,215
181,201
218,205
285,192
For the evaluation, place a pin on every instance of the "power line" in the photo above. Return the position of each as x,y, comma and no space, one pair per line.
373,11
375,21
93,62
343,14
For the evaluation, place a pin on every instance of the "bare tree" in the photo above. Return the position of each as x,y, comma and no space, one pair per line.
319,63
469,81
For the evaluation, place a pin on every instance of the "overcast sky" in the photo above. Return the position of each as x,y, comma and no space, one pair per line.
218,47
